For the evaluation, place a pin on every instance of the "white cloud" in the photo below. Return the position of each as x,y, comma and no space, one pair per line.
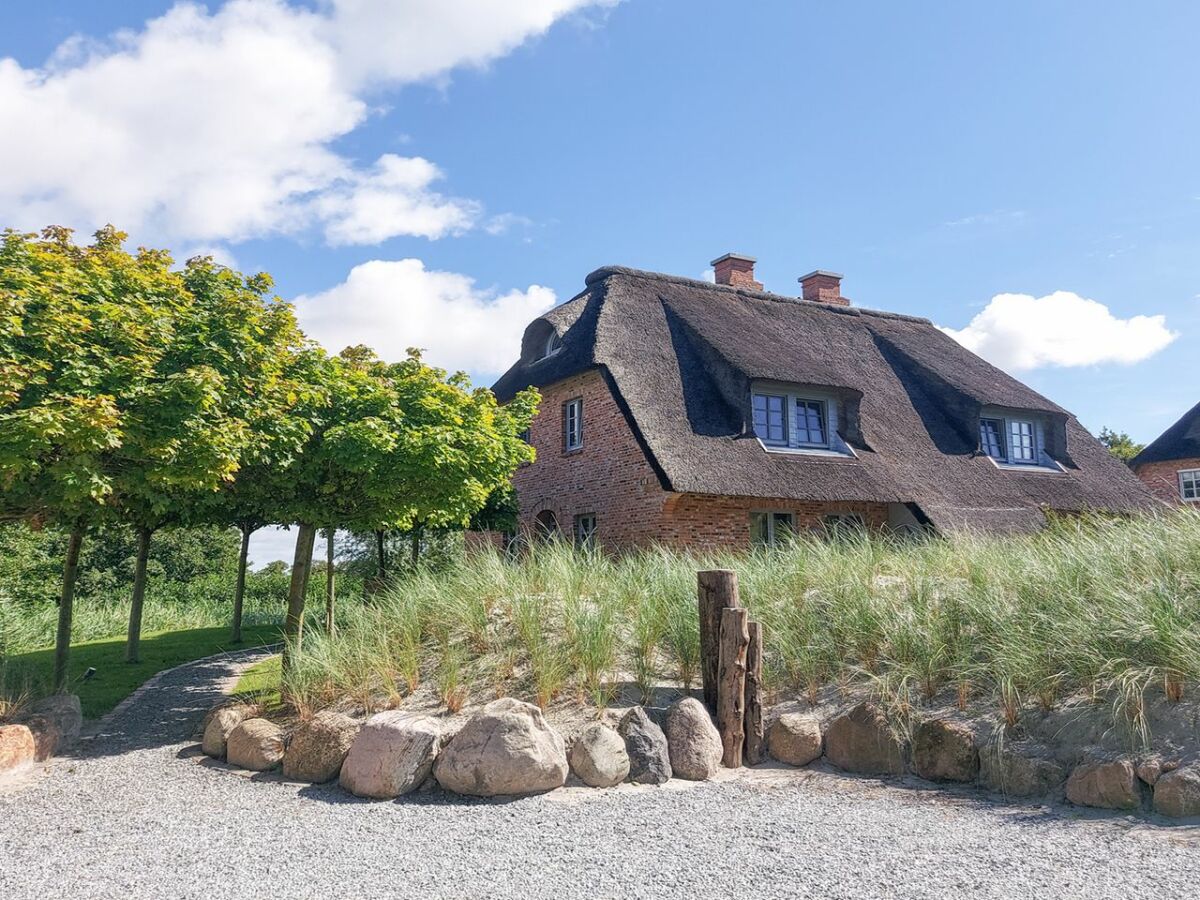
392,305
1020,332
219,126
394,198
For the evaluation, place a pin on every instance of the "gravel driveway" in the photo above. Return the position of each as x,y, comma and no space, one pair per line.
140,814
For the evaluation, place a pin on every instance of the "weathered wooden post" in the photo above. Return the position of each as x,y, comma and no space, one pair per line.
717,590
754,721
731,684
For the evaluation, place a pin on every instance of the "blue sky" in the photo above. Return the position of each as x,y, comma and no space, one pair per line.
942,156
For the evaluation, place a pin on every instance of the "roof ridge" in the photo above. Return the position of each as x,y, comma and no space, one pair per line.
604,272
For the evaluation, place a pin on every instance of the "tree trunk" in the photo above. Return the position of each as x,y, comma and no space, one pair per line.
718,590
754,720
329,584
731,685
239,593
133,637
62,640
416,544
301,565
381,549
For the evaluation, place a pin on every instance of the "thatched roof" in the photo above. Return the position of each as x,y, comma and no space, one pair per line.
1180,441
681,355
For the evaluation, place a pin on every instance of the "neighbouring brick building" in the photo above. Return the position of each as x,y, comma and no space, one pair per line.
1170,467
707,415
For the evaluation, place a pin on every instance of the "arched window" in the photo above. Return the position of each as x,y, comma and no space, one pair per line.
553,344
547,524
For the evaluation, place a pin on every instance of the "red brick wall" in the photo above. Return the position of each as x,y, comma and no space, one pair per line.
611,478
1162,478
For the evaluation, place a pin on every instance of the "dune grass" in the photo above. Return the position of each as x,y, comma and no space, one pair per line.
29,673
1109,607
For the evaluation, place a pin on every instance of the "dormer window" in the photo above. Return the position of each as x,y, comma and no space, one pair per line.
1015,440
553,345
800,420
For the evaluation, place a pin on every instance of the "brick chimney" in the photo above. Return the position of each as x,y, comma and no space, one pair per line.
736,270
823,287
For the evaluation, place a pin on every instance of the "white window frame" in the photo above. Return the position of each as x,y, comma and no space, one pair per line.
833,444
1189,479
1041,461
573,425
773,540
585,529
553,345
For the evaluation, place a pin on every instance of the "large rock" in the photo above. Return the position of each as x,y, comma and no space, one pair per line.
64,711
17,747
1019,773
505,749
1177,793
46,736
220,726
693,741
392,755
256,745
598,756
1109,784
318,747
943,750
862,741
795,739
649,756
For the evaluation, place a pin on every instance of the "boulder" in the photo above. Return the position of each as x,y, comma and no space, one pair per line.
220,726
862,741
392,755
256,744
17,747
64,711
943,750
318,746
693,742
505,749
646,745
795,739
1177,793
1111,784
1019,773
46,736
598,756
1150,769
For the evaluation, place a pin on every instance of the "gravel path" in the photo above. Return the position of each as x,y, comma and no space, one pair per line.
140,814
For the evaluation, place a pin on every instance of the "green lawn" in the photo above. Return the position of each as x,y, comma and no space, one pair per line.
261,681
116,679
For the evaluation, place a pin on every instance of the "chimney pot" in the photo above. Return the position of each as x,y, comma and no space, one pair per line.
821,286
736,270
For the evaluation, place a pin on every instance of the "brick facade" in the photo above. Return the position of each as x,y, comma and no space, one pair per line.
1162,478
610,478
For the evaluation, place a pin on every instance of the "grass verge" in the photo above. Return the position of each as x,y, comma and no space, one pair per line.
30,672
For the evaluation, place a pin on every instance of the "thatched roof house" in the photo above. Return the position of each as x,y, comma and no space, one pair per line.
752,411
1170,466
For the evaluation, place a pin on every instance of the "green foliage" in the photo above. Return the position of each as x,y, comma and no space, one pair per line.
28,673
1101,606
1120,444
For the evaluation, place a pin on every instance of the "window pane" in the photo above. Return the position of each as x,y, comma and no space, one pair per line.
783,527
991,438
810,422
1021,440
1189,484
769,422
759,533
